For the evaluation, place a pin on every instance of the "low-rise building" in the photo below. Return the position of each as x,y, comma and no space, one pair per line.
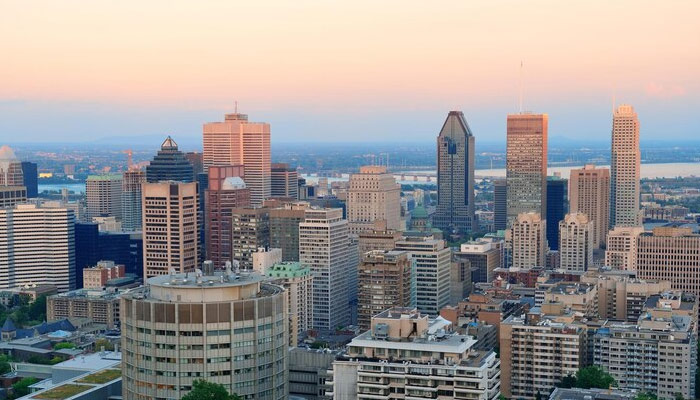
96,277
101,306
579,297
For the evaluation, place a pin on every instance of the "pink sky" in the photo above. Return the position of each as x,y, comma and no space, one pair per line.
321,56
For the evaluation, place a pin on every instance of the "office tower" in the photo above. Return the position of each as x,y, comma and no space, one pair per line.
433,263
131,199
284,229
373,196
528,243
215,177
104,196
108,224
197,161
30,176
284,181
378,238
460,279
221,200
484,257
10,168
500,205
11,195
38,246
323,246
670,253
385,281
170,230
455,164
228,329
296,278
621,249
656,354
169,164
589,193
526,165
624,168
539,336
556,209
399,355
237,141
91,246
250,230
101,307
96,277
575,242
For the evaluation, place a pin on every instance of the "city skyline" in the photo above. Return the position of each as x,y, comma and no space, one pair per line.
380,83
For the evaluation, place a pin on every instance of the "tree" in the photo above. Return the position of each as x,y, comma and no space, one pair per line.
568,382
64,345
21,388
645,396
203,390
103,342
37,309
594,377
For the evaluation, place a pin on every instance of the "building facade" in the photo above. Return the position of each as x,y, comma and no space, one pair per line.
625,160
284,181
30,176
284,228
589,193
484,257
433,263
500,205
102,307
250,231
96,277
528,241
103,194
556,209
10,168
621,248
220,203
297,280
373,195
131,200
169,164
575,242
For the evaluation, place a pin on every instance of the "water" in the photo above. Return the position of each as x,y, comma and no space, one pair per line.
56,187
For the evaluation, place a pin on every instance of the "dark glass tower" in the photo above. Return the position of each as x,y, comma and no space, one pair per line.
169,164
455,168
500,205
31,178
556,208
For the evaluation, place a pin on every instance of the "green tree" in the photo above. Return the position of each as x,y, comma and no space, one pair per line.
645,396
21,388
64,345
594,377
37,309
203,390
103,342
568,382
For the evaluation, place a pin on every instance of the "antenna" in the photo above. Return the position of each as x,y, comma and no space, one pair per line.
613,98
235,107
520,104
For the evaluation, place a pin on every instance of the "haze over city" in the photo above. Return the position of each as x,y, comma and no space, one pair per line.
358,71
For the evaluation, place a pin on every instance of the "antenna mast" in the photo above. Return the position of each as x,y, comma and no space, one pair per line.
520,104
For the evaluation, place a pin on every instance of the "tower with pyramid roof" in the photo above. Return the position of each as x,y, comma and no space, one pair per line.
169,164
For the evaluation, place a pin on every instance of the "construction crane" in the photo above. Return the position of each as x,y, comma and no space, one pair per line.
129,158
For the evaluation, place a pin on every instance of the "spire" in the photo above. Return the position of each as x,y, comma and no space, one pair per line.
168,144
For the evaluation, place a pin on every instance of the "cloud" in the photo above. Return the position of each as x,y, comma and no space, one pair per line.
662,91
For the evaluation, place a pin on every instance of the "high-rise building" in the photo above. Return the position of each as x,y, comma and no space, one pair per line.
624,168
228,329
131,199
455,167
297,279
197,160
378,238
37,246
433,262
220,203
538,352
10,168
526,164
170,229
406,354
528,241
373,195
30,176
284,228
238,141
11,195
484,257
104,196
575,242
250,231
284,181
500,205
556,209
91,246
621,249
170,164
323,246
385,280
589,193
670,253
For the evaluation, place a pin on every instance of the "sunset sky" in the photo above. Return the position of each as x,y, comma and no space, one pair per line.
344,71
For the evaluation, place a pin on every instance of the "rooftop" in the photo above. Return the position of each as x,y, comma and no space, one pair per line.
197,279
289,269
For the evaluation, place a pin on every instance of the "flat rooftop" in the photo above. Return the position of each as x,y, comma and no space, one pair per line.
218,279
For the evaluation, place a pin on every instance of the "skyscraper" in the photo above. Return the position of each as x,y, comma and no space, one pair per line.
500,205
169,164
284,229
284,181
624,168
221,199
37,246
433,262
589,193
10,168
621,248
324,246
237,141
373,196
529,244
131,199
104,196
455,168
556,209
526,164
250,230
170,227
31,178
575,242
